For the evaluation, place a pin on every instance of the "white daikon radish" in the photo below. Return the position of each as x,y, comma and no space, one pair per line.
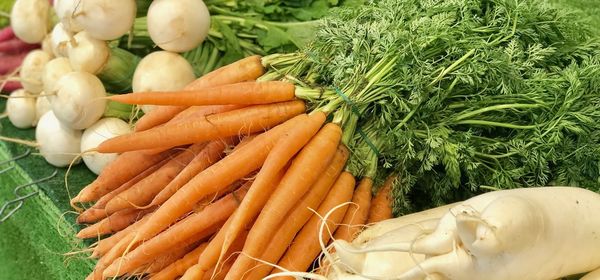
103,129
58,144
178,25
162,71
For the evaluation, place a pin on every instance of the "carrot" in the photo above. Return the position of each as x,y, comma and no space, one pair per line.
119,172
104,245
97,212
113,223
211,153
242,121
357,213
181,231
201,111
303,172
246,93
179,267
263,186
165,259
381,206
245,69
226,171
209,257
306,245
299,215
145,190
158,116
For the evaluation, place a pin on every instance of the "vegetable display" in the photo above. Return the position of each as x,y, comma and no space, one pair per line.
276,139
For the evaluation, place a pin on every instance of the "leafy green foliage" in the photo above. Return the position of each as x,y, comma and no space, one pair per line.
460,96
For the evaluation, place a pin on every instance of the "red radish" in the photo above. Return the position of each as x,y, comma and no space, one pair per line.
15,46
6,33
8,63
11,86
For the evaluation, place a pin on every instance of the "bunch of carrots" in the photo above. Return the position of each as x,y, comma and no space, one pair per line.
229,179
12,53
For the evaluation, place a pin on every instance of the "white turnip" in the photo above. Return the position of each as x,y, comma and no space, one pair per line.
103,129
78,99
58,144
178,25
53,71
59,40
42,105
87,53
104,19
65,11
21,109
32,69
29,20
162,71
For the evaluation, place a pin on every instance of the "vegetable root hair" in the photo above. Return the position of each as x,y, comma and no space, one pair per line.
322,228
9,77
78,209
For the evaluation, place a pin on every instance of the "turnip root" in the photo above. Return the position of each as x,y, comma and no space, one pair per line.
32,69
162,71
533,233
87,53
21,109
59,40
29,20
53,71
65,12
58,144
94,135
178,25
78,100
42,105
104,19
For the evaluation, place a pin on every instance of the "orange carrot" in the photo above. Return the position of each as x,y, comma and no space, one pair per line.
303,172
246,69
201,111
211,153
181,231
381,205
104,245
119,172
145,190
242,121
299,215
97,212
219,175
209,257
357,213
158,116
226,171
248,93
165,259
306,247
179,267
263,186
113,223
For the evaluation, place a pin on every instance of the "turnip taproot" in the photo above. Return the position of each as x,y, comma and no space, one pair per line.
103,129
21,109
78,99
178,25
29,20
53,71
162,71
103,19
59,40
32,69
58,144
